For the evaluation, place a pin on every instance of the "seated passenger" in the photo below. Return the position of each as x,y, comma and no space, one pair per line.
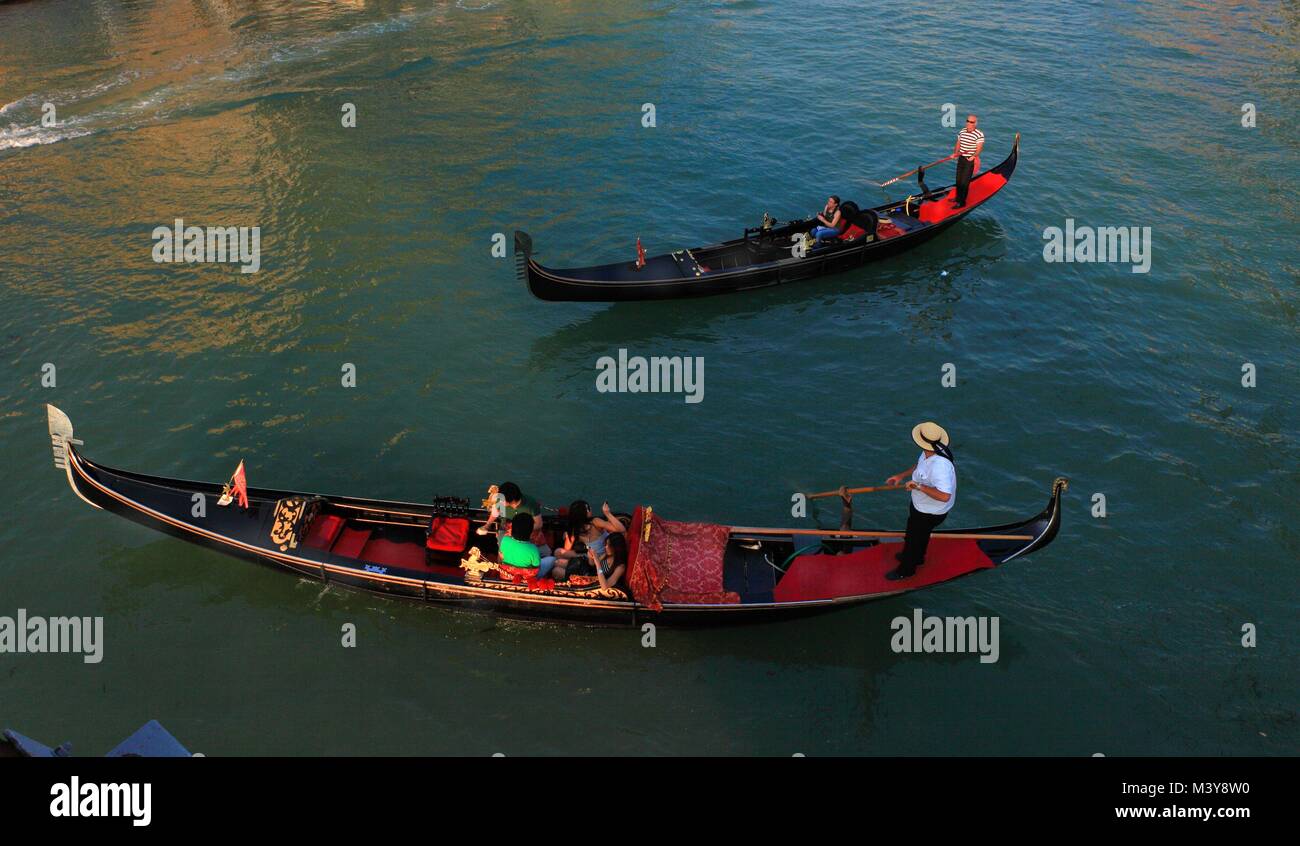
832,221
586,532
610,566
516,549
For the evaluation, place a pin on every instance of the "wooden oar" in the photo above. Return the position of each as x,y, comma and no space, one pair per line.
750,530
914,170
859,490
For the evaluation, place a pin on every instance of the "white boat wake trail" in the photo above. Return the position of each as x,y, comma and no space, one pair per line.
92,109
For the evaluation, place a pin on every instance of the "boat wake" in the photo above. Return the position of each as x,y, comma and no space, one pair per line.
133,98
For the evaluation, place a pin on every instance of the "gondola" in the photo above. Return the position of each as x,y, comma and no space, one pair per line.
765,255
695,574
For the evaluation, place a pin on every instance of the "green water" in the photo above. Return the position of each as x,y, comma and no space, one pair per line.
1123,637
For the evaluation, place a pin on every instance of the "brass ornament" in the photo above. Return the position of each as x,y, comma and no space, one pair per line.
287,513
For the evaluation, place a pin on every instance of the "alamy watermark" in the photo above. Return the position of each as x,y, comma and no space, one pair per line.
658,374
197,244
1087,244
946,634
90,799
84,635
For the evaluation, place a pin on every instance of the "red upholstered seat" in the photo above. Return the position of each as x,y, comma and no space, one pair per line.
852,233
351,542
448,534
324,529
887,230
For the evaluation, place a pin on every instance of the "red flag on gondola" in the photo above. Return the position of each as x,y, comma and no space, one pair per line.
236,487
640,254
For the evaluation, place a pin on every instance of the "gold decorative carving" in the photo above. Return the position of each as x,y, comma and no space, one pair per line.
287,513
475,565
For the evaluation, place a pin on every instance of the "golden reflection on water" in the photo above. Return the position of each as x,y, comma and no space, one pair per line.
195,113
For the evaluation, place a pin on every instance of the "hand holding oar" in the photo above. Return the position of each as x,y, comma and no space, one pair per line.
852,491
914,170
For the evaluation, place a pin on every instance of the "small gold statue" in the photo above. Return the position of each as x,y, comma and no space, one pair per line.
475,565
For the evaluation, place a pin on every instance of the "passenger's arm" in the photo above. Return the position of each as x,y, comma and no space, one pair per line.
609,523
613,577
492,517
565,552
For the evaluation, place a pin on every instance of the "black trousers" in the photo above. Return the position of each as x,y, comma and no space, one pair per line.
965,169
919,527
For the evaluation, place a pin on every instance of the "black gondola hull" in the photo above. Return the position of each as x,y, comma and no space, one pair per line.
674,276
173,507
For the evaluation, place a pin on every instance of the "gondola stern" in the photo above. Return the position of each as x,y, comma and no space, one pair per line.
1052,514
1008,165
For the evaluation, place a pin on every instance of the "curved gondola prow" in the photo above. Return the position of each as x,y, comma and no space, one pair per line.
523,252
65,448
61,435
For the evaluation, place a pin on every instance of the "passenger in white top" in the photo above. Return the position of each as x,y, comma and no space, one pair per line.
934,492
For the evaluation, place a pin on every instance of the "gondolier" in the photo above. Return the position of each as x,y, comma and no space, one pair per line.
970,141
934,492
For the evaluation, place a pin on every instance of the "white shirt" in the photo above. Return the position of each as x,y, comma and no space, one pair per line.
935,472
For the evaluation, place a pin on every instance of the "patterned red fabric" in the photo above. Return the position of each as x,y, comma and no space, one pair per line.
681,562
525,576
854,231
643,575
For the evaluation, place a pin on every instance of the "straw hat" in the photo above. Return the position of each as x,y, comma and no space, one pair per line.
927,433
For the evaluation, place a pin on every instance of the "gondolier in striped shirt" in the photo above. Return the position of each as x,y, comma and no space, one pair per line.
970,141
934,493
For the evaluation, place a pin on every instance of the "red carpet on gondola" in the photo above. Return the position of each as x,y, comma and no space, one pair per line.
981,188
863,572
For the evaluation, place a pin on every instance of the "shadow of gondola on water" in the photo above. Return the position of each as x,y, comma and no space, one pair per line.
900,281
168,566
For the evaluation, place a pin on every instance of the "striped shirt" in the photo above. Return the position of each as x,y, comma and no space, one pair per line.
968,140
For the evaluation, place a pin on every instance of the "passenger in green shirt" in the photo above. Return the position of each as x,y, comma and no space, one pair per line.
516,549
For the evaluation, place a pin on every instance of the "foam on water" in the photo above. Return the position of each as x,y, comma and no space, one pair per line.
263,58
